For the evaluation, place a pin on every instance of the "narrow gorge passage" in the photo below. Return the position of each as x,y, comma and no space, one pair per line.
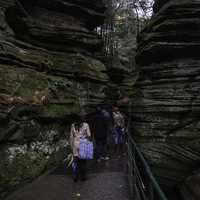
60,58
106,181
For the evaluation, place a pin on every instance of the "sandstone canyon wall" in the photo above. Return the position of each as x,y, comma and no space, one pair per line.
49,70
167,107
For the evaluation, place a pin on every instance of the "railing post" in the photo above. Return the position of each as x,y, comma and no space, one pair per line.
136,191
150,190
149,187
134,174
142,182
130,167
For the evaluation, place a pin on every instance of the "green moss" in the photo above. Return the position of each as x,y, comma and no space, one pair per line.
26,167
24,92
33,81
81,65
60,111
21,168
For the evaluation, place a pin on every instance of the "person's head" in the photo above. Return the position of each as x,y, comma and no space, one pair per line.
115,109
106,107
82,115
80,118
76,119
98,109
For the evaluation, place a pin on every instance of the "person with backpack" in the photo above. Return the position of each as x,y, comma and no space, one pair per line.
80,130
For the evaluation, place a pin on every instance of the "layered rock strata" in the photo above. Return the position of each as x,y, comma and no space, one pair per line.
167,108
190,189
49,70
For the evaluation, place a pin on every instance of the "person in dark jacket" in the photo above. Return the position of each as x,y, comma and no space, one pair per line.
100,130
107,113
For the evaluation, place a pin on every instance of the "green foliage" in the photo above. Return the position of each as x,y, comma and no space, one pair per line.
125,19
59,111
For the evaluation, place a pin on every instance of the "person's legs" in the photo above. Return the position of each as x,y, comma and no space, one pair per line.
82,164
109,139
101,148
104,149
114,134
75,168
109,142
112,141
120,145
98,149
120,141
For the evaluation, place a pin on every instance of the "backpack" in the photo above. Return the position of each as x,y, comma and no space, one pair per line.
86,149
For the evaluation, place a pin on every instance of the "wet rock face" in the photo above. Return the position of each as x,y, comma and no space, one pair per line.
158,5
190,189
167,108
173,32
46,24
49,69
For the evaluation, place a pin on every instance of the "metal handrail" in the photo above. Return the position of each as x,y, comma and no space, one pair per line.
140,188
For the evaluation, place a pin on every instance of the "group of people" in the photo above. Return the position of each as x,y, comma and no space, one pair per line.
105,128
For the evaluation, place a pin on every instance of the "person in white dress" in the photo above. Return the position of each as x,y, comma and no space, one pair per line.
79,130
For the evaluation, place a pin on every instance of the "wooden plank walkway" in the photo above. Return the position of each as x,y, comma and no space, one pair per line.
106,181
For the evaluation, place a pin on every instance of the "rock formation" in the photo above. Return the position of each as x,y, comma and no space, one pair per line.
167,108
190,189
49,69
